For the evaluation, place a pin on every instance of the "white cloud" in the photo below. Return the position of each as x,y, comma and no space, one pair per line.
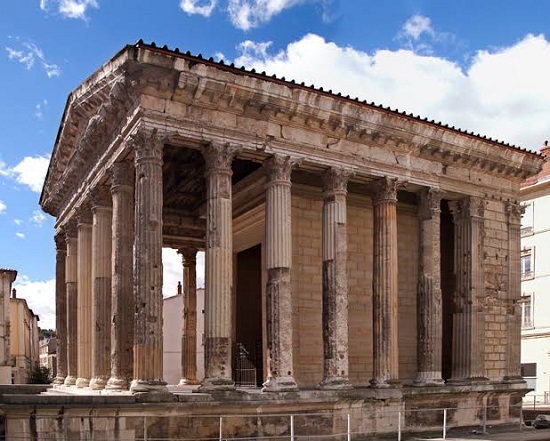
31,171
17,221
70,8
3,207
248,14
201,7
20,235
39,109
28,54
38,218
417,25
172,269
40,296
503,93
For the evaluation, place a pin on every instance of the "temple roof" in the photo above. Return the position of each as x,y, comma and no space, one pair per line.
112,92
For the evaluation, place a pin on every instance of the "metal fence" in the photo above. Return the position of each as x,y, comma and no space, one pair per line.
537,401
331,425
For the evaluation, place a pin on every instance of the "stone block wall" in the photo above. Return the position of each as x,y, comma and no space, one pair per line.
495,245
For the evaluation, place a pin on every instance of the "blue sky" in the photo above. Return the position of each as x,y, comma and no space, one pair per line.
479,65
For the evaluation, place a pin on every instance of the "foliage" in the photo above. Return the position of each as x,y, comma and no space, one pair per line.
40,375
46,333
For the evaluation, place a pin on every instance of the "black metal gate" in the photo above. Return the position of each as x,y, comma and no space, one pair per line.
248,364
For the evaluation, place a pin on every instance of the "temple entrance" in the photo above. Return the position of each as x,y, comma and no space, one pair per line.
248,354
447,287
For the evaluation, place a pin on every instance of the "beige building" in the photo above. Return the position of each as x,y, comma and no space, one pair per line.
535,283
48,355
7,277
174,317
24,345
368,257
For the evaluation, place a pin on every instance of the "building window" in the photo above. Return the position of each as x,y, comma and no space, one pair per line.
526,308
527,264
527,220
529,374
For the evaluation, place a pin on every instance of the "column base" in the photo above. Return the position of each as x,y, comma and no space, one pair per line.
429,379
82,382
468,380
188,382
280,384
116,383
154,391
379,383
58,381
69,380
335,383
513,379
98,383
216,384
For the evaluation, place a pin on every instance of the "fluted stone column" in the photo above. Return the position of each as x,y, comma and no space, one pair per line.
84,270
278,253
468,315
335,281
219,268
71,281
101,288
189,329
429,306
122,292
148,349
385,284
61,307
513,358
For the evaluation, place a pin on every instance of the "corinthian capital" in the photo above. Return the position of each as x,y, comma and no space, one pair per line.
279,167
122,173
335,181
147,145
219,157
430,201
514,210
467,207
385,189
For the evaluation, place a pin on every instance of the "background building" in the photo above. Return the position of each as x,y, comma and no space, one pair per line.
23,340
7,277
535,282
48,355
172,335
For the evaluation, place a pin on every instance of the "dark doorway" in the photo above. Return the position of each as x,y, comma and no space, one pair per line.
447,287
248,356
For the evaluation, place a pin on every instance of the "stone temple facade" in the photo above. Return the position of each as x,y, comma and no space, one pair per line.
367,257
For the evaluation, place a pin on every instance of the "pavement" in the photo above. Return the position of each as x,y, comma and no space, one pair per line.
526,434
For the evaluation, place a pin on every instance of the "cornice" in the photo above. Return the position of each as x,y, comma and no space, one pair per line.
98,109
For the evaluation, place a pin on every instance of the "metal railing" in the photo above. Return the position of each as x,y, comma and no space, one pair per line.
331,425
537,401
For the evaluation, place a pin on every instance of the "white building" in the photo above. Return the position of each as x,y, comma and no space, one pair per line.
535,282
172,336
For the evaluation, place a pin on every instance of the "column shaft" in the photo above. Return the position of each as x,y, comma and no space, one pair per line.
335,283
430,322
189,329
61,308
219,268
84,270
278,239
122,294
468,317
385,287
513,347
71,279
148,348
101,292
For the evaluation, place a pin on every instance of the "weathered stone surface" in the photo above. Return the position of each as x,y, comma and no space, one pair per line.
190,133
189,330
